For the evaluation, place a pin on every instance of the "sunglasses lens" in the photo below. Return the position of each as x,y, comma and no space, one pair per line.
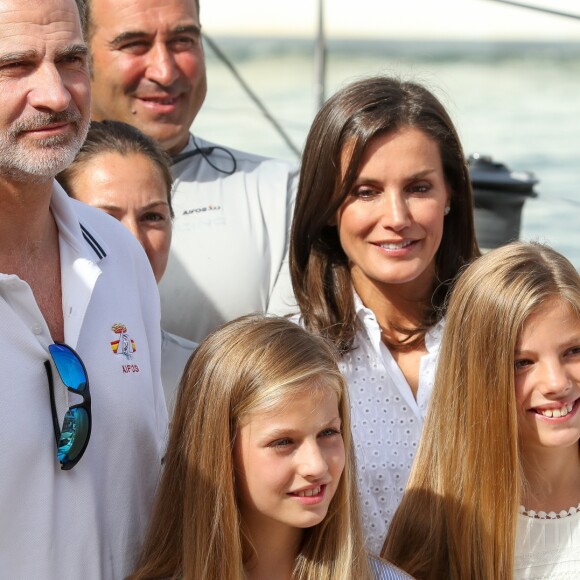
69,366
74,434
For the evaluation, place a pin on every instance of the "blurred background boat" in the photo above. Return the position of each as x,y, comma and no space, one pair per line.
515,99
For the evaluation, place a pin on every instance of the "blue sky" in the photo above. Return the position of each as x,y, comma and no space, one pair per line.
410,19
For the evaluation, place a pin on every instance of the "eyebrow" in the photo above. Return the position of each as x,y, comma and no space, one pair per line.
104,206
16,56
283,432
136,34
26,55
73,50
110,207
572,340
155,204
419,175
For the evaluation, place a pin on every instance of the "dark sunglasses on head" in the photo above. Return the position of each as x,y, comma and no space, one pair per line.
72,439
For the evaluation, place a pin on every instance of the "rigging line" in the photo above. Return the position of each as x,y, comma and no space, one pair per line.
566,200
539,9
252,95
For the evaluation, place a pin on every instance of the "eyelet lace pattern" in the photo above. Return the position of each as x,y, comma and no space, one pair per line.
541,515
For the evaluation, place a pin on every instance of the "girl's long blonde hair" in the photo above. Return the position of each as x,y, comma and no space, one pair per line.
457,518
253,363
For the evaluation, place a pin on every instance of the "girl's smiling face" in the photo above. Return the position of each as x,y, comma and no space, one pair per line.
289,461
547,377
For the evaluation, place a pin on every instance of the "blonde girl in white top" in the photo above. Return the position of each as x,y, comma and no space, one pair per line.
495,487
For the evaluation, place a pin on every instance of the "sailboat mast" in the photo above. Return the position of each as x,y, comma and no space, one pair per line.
320,59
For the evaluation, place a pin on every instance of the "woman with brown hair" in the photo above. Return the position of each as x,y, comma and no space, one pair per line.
259,479
494,491
382,224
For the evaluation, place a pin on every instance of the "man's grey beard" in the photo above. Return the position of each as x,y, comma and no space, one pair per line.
42,159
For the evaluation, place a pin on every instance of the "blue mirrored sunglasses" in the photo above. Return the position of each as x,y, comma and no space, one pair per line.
72,439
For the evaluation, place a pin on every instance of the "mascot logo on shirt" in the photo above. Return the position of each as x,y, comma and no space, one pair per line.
124,345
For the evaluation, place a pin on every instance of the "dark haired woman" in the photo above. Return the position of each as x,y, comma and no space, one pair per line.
383,222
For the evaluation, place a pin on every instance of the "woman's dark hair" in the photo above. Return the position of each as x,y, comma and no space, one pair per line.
346,124
117,137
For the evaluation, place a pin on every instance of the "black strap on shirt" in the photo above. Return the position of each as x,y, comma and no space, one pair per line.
206,152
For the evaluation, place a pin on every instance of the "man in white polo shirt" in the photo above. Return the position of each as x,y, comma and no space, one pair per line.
83,423
232,209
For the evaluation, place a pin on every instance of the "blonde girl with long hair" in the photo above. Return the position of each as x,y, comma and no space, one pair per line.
259,478
495,488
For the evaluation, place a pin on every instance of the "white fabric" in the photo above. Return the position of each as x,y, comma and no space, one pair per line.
87,522
386,420
548,548
230,241
175,352
383,570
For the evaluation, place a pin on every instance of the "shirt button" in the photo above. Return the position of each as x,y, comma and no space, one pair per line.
37,329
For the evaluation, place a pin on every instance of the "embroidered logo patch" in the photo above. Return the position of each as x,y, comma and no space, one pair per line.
124,345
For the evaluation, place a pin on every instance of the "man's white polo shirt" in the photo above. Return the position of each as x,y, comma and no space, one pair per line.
87,522
229,251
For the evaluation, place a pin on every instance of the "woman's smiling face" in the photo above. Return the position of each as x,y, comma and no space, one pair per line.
391,223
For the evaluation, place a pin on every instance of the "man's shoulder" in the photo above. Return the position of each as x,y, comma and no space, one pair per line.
235,160
103,233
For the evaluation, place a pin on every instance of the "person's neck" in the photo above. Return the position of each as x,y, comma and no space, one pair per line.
552,478
25,219
275,550
393,304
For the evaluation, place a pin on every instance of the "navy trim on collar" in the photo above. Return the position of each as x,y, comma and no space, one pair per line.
93,243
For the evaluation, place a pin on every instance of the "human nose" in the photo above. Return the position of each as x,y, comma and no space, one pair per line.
161,68
396,214
49,91
311,461
554,380
132,225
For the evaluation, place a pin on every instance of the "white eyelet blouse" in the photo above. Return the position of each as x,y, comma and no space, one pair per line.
386,420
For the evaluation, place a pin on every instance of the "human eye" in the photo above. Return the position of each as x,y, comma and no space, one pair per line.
153,217
74,60
419,187
137,46
182,43
573,351
280,444
364,192
330,432
14,67
522,363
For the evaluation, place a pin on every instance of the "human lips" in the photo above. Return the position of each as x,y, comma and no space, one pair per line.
559,410
49,129
42,123
310,495
162,102
396,246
